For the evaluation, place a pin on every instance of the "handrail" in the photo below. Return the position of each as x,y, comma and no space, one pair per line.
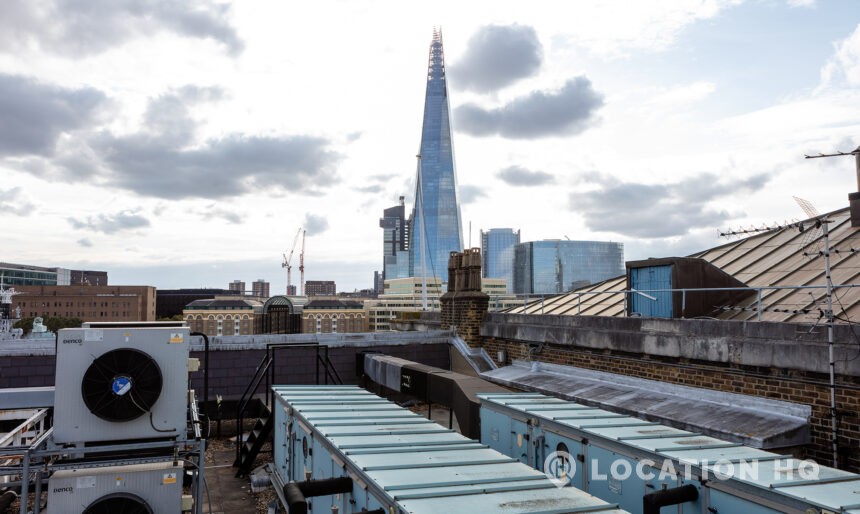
527,303
245,400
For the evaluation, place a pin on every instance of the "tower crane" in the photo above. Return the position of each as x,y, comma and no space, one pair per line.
302,262
287,259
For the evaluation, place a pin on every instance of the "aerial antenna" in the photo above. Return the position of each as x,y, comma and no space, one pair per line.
814,234
855,153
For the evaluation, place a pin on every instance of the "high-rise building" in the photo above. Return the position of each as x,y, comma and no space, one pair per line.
554,266
435,221
320,288
395,242
260,288
497,252
237,286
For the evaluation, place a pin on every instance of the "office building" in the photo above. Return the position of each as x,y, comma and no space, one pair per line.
435,221
171,302
260,288
395,242
88,303
320,288
88,278
554,266
497,252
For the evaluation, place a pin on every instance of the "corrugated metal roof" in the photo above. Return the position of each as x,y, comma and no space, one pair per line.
780,257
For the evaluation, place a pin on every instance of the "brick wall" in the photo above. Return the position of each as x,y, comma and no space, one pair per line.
780,384
465,311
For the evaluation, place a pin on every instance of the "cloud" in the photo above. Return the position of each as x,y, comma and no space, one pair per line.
370,189
13,201
34,114
470,194
111,223
213,211
569,110
86,243
79,28
657,210
498,56
843,68
165,160
315,225
519,176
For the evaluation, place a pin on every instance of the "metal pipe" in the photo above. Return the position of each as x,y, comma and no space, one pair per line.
6,500
205,372
297,493
652,503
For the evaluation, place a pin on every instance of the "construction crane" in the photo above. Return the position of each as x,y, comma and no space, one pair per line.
302,263
287,259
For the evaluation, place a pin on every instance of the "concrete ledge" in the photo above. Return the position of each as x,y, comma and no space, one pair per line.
760,344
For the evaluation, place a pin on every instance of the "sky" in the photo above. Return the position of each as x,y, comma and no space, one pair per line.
183,144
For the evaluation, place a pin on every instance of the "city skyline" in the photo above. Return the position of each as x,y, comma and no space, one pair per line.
182,146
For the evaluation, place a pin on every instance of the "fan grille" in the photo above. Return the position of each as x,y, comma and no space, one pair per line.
121,385
119,503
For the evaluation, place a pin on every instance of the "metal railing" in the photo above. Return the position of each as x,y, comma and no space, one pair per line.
759,306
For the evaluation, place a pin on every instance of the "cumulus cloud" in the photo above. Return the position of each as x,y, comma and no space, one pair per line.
164,159
657,210
14,201
34,115
111,223
374,188
470,194
214,211
843,68
86,243
497,56
315,225
519,176
76,28
569,110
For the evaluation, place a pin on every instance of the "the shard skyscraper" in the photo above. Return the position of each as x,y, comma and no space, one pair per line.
435,220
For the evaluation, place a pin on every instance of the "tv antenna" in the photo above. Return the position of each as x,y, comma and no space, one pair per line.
855,153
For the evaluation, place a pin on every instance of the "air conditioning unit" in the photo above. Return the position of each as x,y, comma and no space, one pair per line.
117,384
136,489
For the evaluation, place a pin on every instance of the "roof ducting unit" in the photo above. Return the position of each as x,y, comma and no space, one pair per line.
650,281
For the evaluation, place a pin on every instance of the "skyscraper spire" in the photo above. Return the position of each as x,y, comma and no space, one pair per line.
436,207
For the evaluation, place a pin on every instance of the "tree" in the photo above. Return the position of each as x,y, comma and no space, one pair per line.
53,323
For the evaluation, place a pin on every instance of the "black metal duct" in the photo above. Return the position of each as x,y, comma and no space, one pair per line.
296,493
652,503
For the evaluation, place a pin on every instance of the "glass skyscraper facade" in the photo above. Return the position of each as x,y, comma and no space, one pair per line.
556,266
497,253
395,242
435,220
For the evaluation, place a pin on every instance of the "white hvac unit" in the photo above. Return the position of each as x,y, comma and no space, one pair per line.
136,489
117,384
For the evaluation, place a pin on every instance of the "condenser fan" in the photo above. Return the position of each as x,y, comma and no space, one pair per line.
121,385
120,503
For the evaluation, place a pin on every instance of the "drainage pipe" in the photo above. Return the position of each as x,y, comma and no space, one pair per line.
297,493
652,503
6,500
